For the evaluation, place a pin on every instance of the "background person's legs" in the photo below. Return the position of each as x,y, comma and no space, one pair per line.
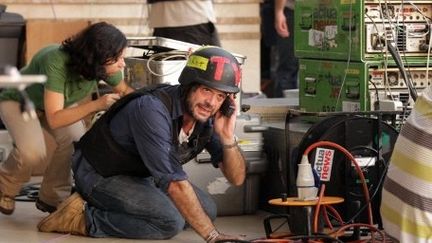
287,63
57,180
29,150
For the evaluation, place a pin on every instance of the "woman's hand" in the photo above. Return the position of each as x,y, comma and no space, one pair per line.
107,100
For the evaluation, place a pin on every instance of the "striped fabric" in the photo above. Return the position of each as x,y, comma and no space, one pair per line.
406,206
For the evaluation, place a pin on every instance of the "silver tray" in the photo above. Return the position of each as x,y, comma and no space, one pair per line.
161,44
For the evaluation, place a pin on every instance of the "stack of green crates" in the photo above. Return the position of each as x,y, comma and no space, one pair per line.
331,43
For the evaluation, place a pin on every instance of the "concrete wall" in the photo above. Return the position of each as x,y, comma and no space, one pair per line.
238,23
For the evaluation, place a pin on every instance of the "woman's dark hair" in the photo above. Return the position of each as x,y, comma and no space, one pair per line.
92,48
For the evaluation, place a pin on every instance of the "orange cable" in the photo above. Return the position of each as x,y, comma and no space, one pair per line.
326,218
317,208
357,167
336,213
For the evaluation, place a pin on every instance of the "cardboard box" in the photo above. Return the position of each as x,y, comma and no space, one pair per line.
40,33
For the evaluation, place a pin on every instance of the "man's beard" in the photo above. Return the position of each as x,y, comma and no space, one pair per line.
190,111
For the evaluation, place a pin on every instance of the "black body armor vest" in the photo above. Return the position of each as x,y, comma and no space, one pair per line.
109,158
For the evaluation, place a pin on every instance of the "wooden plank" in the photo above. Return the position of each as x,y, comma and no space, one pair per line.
53,32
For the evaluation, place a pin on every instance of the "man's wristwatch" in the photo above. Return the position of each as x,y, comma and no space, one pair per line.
232,145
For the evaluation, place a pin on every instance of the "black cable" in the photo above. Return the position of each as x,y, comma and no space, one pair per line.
324,237
377,95
233,241
314,237
405,114
399,63
380,182
405,31
280,225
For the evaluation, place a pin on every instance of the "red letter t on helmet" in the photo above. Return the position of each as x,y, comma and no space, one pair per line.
220,64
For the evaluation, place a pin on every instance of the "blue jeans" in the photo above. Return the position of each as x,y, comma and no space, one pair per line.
128,206
287,64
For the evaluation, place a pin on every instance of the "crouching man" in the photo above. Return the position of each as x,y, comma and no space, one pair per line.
128,167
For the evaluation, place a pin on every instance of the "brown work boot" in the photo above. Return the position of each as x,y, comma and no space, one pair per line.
7,204
68,218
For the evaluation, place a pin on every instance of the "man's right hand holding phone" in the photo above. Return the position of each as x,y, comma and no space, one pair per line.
225,119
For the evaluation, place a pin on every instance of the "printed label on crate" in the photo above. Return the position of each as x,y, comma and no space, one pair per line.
323,163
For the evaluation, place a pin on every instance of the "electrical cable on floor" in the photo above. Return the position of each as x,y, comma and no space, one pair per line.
356,166
340,231
317,208
351,158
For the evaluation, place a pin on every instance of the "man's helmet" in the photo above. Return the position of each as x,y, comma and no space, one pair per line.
213,67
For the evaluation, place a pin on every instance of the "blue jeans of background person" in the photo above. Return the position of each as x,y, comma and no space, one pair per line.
129,206
287,63
269,38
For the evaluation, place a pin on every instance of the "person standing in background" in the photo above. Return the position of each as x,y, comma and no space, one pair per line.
287,64
73,70
191,21
268,41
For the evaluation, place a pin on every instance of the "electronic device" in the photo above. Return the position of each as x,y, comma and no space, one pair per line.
358,30
228,107
331,85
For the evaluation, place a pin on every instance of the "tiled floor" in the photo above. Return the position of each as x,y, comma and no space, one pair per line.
20,227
